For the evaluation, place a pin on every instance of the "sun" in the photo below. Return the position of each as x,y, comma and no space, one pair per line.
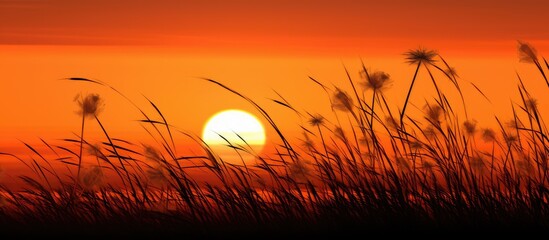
234,127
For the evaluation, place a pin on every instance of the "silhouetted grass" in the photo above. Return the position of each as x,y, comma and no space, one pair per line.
373,169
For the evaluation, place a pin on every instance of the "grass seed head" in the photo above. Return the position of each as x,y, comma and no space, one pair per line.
527,53
89,105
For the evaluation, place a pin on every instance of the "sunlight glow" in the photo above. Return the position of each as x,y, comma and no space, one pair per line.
234,127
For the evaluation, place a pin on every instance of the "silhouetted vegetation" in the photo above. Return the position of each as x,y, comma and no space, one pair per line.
374,169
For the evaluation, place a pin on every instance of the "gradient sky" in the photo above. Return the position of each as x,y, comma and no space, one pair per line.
158,49
307,25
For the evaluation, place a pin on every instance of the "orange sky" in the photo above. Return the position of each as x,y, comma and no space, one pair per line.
159,49
247,25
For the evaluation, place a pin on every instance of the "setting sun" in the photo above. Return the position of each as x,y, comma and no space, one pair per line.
234,128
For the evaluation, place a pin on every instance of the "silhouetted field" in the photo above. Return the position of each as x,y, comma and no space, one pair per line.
375,169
